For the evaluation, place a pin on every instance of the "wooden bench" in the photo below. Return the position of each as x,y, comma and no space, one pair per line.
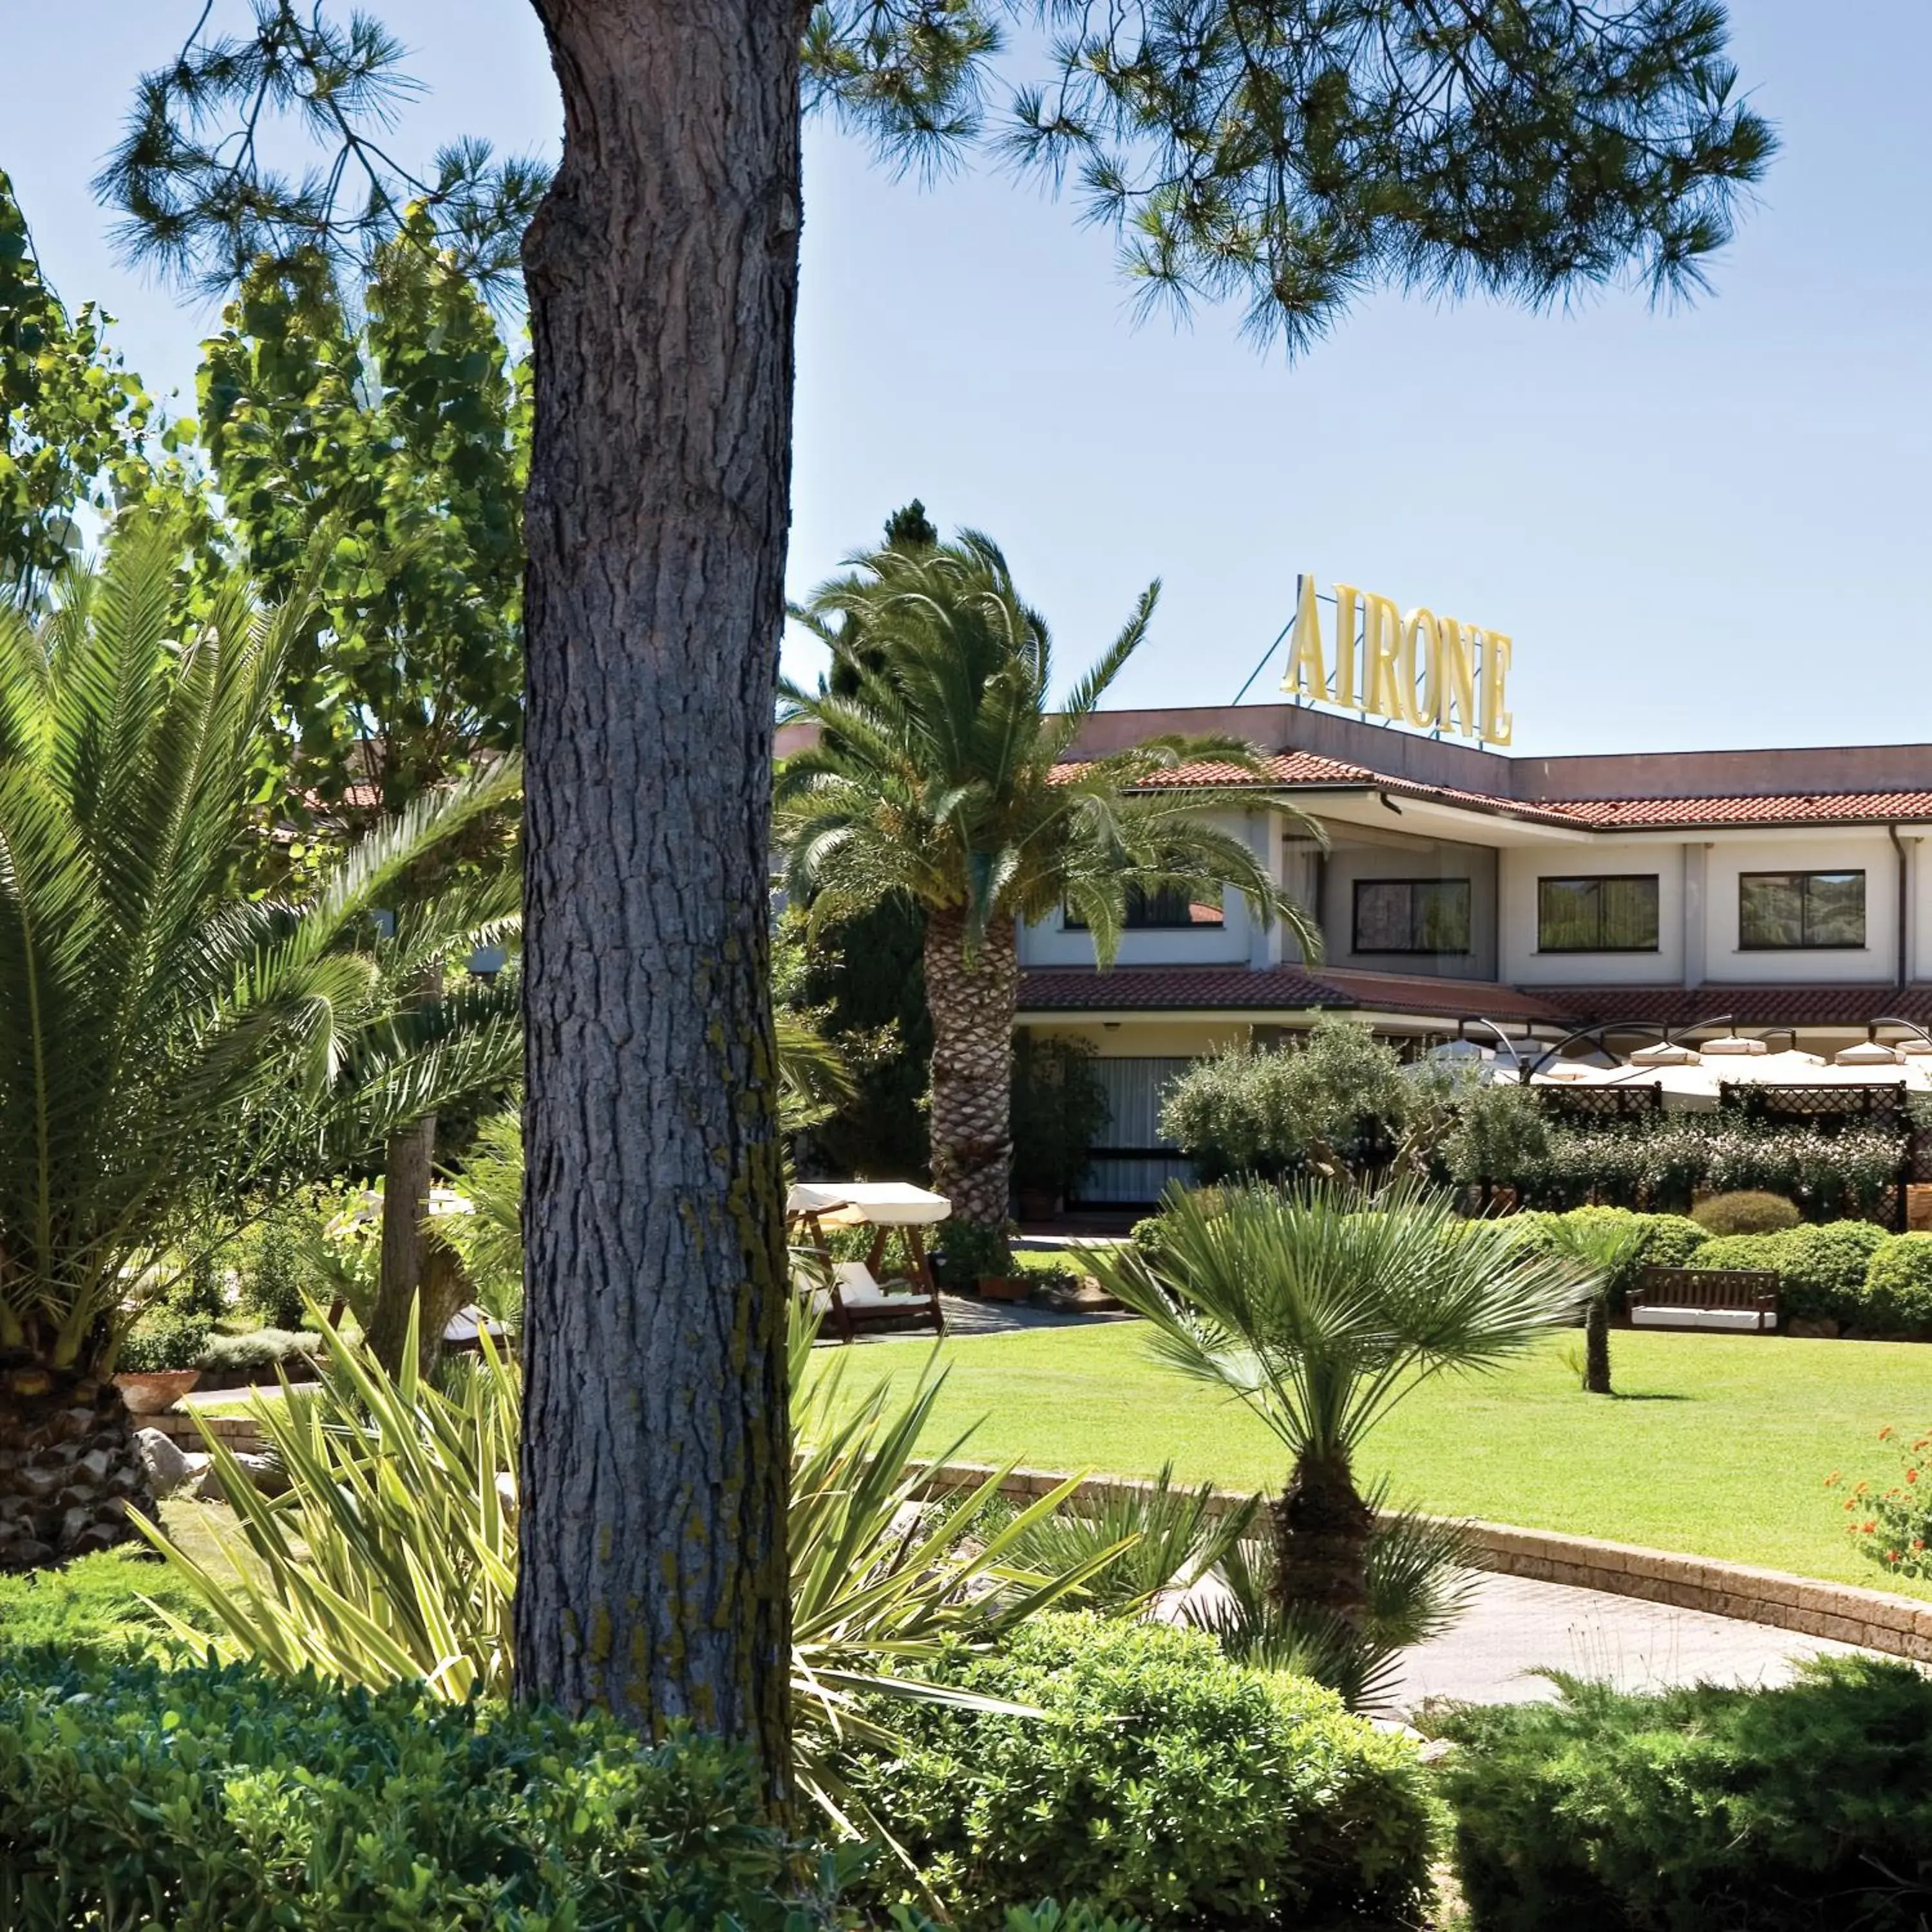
1681,1297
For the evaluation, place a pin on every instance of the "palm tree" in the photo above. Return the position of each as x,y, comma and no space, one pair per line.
164,1039
1320,1307
1603,1251
938,779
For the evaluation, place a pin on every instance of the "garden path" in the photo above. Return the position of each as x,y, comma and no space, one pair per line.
1516,1628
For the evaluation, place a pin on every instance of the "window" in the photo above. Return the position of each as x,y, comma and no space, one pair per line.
1778,911
1411,916
1166,909
1606,914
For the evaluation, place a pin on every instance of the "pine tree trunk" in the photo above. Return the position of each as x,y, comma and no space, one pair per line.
69,1467
407,1167
1597,1345
972,1009
1322,1529
662,274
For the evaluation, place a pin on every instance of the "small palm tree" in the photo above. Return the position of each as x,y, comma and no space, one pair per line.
938,779
164,1039
1602,1252
1320,1307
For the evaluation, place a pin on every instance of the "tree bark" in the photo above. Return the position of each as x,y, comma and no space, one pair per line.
406,1170
662,273
1323,1529
1597,1345
973,1009
70,1468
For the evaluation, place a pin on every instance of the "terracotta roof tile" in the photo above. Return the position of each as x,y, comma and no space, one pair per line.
1750,1006
1287,769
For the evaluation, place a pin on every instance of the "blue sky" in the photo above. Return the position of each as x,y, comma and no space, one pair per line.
1701,528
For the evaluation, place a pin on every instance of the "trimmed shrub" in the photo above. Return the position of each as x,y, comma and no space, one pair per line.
164,1338
99,1605
1164,1782
1898,1286
209,1798
1740,1251
1791,1809
1822,1270
229,1360
1748,1212
1668,1240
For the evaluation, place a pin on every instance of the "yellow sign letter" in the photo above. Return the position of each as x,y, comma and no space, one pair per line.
1497,723
1307,675
1347,597
1417,658
1381,642
1452,679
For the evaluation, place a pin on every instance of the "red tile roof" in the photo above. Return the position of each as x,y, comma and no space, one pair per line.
1288,770
1751,1006
1280,988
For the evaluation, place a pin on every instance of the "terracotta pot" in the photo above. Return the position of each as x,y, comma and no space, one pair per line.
1004,1288
154,1392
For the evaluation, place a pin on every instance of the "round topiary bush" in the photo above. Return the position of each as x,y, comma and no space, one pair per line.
1822,1270
1158,1779
1898,1286
1749,1212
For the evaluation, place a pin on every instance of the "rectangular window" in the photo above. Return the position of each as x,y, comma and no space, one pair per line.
1411,916
1607,913
1779,912
1167,909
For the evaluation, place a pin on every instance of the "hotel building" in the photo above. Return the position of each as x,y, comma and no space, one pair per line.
1454,884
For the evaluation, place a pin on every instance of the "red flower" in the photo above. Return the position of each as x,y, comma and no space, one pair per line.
1885,1432
1866,1529
1911,1475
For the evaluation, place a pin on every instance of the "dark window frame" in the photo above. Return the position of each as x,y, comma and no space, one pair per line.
1805,874
1654,879
1462,952
1070,922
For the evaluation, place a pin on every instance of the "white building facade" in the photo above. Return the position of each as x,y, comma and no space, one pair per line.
1457,888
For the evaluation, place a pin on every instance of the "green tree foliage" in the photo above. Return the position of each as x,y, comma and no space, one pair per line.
941,782
1337,1102
162,1042
77,431
1291,157
400,437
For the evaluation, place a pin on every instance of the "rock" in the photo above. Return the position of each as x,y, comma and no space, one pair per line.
167,1466
1206,1600
267,1475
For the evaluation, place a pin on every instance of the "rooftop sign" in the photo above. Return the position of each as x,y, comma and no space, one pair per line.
1437,674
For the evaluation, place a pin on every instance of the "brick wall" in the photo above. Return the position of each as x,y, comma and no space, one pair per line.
237,1432
1901,1626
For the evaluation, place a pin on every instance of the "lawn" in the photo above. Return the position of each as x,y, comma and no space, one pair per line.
1717,1445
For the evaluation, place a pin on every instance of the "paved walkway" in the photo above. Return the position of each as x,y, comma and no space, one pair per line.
1516,1628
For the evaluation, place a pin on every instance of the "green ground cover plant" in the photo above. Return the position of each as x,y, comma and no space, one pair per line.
1165,1783
100,1605
1715,1444
1706,1810
226,1800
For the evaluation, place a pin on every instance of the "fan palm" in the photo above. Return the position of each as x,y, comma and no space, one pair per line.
163,1039
1603,1252
939,777
1320,1307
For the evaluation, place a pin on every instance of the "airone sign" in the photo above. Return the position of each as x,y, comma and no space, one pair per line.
1438,674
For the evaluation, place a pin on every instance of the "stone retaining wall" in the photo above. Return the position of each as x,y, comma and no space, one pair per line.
1901,1626
238,1431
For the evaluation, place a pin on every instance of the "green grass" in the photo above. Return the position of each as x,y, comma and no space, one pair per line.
1717,1445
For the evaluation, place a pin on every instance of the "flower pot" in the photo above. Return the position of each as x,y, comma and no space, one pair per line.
1004,1288
1038,1204
154,1391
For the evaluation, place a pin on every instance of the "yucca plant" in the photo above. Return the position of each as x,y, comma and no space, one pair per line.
164,1038
392,1555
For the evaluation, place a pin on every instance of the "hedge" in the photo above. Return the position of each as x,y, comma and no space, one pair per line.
1164,1782
1898,1285
1704,1809
224,1800
1821,1271
1668,1240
